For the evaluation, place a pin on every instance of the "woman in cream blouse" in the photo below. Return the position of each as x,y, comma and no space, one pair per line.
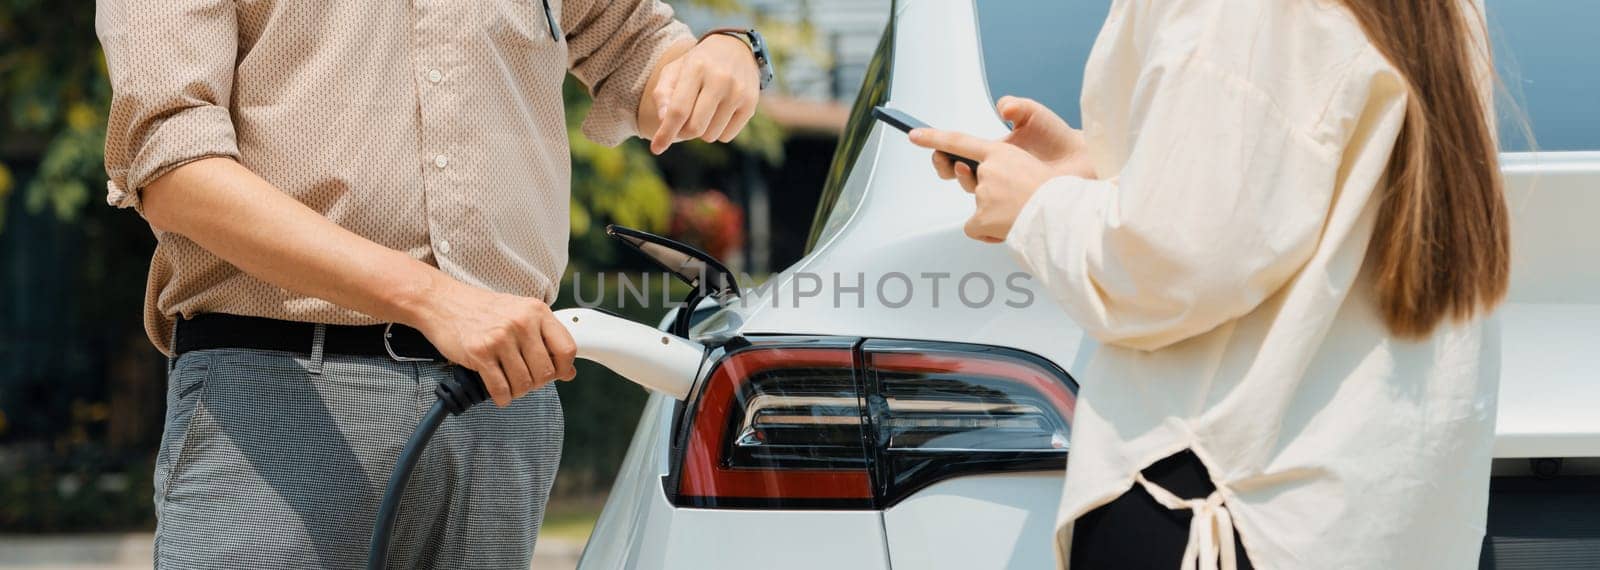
1283,221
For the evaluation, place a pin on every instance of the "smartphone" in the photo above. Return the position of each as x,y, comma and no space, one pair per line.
905,122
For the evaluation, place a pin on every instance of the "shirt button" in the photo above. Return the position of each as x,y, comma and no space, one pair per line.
435,75
441,161
444,246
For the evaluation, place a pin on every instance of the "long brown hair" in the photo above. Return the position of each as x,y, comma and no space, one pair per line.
1442,242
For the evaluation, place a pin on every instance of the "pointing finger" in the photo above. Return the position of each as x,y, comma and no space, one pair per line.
679,106
664,87
952,142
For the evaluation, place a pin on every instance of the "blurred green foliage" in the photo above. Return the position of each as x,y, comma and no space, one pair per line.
53,104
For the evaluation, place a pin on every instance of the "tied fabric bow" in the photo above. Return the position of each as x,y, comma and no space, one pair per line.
1210,529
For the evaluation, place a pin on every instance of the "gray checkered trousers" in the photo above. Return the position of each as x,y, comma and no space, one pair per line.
279,460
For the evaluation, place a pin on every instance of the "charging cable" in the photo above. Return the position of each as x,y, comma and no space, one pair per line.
646,356
463,390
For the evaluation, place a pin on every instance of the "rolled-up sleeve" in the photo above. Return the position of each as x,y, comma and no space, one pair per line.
612,46
171,64
1220,203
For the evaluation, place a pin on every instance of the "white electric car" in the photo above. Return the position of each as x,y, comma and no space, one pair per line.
902,396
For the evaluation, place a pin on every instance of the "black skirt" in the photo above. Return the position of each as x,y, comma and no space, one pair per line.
1134,532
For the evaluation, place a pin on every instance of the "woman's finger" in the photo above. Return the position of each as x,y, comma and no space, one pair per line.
952,142
967,177
944,166
1018,110
982,227
971,228
1022,111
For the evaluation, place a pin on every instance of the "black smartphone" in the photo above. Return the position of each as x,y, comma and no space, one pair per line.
905,122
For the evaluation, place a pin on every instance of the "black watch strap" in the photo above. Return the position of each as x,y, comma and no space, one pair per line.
758,47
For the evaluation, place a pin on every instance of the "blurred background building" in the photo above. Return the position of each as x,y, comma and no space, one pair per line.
82,391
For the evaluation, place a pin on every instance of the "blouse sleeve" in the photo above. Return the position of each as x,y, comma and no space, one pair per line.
1220,202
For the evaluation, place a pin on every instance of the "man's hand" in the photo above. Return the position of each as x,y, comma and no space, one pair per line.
514,343
1010,177
709,93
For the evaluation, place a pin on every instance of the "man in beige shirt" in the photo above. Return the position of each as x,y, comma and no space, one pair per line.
340,187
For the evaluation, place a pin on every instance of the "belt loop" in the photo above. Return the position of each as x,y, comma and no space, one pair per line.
319,338
172,361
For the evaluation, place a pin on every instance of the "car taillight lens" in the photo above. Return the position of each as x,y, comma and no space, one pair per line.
940,411
778,427
865,424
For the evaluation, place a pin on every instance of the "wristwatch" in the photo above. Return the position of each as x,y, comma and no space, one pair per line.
758,46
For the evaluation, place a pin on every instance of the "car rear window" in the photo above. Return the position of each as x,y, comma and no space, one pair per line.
834,207
1545,49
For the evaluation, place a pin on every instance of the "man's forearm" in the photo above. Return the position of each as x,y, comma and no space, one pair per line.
242,218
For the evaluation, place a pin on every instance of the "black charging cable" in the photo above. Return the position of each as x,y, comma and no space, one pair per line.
461,391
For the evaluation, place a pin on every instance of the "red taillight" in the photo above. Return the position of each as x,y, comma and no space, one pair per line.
941,411
1032,376
864,425
818,389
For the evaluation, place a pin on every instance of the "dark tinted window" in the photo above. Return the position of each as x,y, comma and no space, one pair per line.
1549,60
874,91
1038,49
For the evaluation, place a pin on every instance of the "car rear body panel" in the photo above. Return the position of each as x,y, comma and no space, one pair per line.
986,521
639,528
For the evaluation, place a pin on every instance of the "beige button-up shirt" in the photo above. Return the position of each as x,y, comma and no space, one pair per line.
1222,263
432,127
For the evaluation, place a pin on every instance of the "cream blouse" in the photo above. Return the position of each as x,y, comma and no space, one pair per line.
1221,262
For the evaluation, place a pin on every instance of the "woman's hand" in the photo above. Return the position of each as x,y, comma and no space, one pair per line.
1041,132
1041,146
1009,177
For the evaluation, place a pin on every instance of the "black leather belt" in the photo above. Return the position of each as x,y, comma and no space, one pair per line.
221,330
